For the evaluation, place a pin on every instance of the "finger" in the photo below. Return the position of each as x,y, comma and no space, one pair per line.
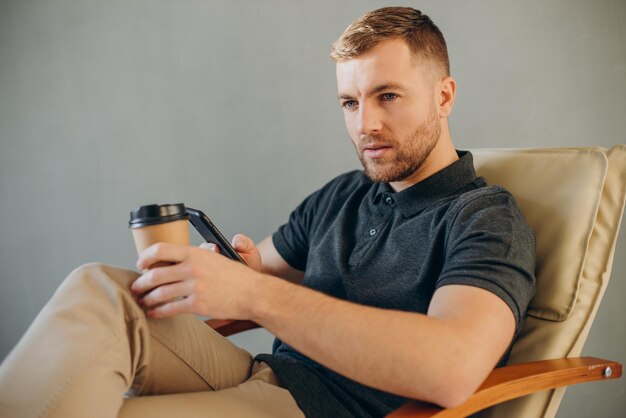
172,308
242,243
209,246
167,293
157,277
172,253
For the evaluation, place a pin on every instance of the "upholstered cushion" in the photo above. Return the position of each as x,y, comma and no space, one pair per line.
559,191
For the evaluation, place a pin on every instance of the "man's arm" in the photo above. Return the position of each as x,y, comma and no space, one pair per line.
275,265
441,357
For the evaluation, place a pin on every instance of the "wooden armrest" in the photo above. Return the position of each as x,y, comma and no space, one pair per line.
228,327
510,382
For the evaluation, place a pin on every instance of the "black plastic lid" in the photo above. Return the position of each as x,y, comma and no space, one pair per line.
157,214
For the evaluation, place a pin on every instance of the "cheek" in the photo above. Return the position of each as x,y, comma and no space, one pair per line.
406,123
351,125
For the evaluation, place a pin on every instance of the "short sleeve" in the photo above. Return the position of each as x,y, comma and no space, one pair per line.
490,245
291,240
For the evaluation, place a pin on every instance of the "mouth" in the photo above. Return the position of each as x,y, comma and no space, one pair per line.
375,150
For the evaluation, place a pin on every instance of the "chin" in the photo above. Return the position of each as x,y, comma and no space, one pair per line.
383,176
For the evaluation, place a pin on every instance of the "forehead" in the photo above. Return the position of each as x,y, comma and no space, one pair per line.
389,62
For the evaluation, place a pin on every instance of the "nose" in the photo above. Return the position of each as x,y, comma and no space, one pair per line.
369,120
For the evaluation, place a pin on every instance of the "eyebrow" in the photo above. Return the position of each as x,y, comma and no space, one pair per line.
378,89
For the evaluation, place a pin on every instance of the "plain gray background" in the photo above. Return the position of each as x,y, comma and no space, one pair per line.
230,106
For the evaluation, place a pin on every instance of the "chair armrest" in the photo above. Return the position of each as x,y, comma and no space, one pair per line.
228,327
510,382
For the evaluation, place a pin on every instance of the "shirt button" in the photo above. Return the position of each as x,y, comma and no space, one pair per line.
372,232
389,200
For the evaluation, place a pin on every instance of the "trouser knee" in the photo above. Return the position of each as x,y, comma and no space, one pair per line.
98,277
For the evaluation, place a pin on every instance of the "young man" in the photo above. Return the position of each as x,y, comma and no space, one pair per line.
408,279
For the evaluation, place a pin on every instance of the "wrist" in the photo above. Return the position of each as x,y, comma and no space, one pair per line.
264,297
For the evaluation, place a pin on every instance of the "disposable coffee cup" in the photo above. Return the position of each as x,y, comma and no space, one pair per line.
151,224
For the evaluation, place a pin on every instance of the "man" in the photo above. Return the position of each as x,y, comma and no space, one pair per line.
407,280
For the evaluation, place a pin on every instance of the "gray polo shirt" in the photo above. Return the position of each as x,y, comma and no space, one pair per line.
359,241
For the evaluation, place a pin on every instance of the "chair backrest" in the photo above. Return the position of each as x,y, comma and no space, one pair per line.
573,199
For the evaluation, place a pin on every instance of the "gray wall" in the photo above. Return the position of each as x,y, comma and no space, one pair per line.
230,106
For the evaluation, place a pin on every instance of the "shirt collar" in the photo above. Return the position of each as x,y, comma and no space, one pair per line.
442,184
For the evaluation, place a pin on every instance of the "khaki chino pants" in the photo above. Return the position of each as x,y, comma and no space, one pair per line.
91,352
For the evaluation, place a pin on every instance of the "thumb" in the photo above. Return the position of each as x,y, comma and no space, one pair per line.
242,243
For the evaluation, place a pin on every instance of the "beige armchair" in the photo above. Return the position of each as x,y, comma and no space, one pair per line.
573,199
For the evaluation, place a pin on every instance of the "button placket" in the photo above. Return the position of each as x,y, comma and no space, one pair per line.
370,237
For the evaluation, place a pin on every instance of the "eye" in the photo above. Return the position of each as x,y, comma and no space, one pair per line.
388,97
349,104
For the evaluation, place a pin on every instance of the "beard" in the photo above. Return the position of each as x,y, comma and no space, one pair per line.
410,154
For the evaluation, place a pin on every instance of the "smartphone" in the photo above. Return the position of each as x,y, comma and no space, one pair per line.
210,233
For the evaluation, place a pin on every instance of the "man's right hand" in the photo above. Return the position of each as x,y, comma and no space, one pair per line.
262,257
246,249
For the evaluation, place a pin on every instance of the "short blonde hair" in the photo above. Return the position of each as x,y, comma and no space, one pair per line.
423,37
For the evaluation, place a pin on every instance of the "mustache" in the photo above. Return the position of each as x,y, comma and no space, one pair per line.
369,140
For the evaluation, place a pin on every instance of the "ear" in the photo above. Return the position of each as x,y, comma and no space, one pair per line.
447,93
